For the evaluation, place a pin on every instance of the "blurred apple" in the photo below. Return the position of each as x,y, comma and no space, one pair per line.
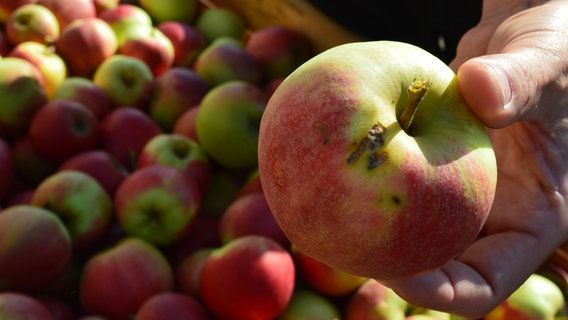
309,305
102,5
84,44
202,235
171,10
126,80
223,189
5,45
171,306
116,281
126,20
83,90
8,6
188,271
80,201
185,124
63,128
67,11
175,91
22,306
216,22
35,248
157,203
251,277
186,40
7,169
252,184
29,165
228,121
58,309
32,22
154,48
374,301
226,59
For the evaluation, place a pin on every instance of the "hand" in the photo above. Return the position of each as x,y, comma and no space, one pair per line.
513,73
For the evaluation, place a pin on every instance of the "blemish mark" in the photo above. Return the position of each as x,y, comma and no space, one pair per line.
396,200
371,142
376,159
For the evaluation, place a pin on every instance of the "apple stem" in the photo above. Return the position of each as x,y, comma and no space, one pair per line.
416,92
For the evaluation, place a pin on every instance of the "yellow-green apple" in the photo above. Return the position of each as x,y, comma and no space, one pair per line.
226,59
154,48
32,22
22,93
251,277
99,164
188,271
537,298
128,81
323,278
80,201
50,64
279,50
31,167
67,11
22,306
374,139
157,203
102,5
35,247
116,281
7,169
83,90
63,128
127,20
250,214
171,306
171,10
178,151
84,44
175,91
123,133
216,22
307,304
374,301
228,121
8,6
187,41
185,124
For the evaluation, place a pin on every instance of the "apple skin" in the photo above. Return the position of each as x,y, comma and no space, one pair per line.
84,44
171,10
63,128
185,124
102,5
8,6
137,271
187,41
154,48
226,59
251,277
307,304
80,201
188,271
21,306
7,169
31,167
157,203
175,91
35,247
22,93
217,22
374,301
69,11
126,19
32,22
390,204
83,90
227,123
180,152
171,306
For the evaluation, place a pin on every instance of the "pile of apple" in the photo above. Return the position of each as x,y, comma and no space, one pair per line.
128,172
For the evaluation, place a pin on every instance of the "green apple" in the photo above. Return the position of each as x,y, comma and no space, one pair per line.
216,22
309,305
126,19
171,10
374,139
32,22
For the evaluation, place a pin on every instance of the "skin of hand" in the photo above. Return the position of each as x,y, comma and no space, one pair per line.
513,73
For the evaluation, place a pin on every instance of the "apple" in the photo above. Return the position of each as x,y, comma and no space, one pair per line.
35,247
251,277
50,64
32,22
8,6
116,281
374,139
22,93
126,20
68,11
63,128
175,91
188,271
202,235
157,203
154,48
171,306
180,152
22,306
102,5
186,40
216,22
7,169
99,164
84,44
250,214
226,59
126,80
228,121
30,166
124,131
279,50
374,301
58,309
83,90
185,124
80,201
307,304
171,10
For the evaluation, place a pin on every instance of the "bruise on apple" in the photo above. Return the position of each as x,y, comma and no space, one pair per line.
372,141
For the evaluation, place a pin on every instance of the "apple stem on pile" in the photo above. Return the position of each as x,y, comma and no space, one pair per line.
416,92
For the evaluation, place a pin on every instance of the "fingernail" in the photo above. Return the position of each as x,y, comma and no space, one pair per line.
499,75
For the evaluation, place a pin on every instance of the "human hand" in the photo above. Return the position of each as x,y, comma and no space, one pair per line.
513,73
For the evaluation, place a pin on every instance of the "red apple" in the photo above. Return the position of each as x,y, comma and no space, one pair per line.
83,90
203,234
185,124
32,22
63,128
188,271
67,11
7,169
21,306
116,282
154,48
58,309
29,165
186,40
126,20
35,247
171,306
251,277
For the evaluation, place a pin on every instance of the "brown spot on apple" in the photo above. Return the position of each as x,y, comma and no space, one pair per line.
371,142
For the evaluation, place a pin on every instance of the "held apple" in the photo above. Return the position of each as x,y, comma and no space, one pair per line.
372,163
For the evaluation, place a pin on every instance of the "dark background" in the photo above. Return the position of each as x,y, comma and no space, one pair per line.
422,23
